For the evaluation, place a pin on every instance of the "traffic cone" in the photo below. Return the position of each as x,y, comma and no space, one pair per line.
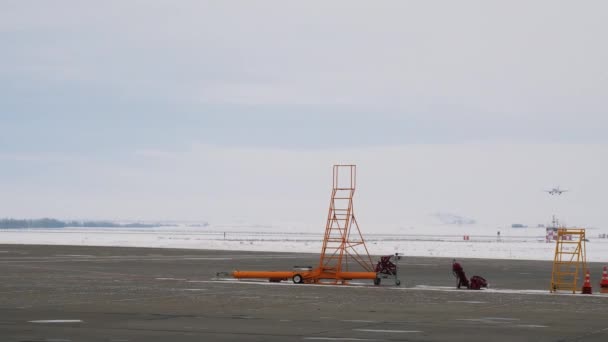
604,282
587,285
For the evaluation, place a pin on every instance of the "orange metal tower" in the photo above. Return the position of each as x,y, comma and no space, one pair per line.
343,244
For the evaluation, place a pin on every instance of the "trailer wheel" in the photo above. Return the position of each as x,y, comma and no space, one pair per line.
377,281
297,279
397,282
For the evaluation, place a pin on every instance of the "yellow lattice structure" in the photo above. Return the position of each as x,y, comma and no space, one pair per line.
570,259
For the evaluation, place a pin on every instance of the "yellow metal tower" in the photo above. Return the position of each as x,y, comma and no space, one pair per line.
570,259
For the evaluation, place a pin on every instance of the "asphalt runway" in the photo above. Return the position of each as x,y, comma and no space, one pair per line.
62,293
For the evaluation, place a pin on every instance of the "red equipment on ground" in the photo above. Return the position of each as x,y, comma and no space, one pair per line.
385,268
587,285
476,282
604,282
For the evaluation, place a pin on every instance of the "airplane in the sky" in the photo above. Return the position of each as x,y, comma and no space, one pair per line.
556,191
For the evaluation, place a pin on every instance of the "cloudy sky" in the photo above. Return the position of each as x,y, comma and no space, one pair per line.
216,110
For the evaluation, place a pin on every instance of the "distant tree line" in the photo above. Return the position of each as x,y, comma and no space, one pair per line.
53,223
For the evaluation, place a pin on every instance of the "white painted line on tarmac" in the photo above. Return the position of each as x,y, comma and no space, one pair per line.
502,318
57,321
416,288
389,331
337,339
531,326
492,291
431,288
466,301
489,320
170,278
194,289
202,258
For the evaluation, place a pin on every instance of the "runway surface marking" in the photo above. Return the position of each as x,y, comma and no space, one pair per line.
502,320
490,320
503,291
388,331
202,258
193,289
466,301
416,288
531,326
338,339
51,321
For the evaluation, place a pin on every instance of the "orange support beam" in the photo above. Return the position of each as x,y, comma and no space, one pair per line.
303,276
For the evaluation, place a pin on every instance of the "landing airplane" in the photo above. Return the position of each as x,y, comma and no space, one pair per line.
556,191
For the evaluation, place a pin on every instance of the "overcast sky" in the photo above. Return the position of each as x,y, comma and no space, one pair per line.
210,110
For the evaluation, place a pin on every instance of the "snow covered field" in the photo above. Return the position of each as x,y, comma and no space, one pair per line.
434,241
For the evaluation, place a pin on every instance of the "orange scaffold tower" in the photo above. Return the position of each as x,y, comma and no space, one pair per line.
570,259
343,247
343,243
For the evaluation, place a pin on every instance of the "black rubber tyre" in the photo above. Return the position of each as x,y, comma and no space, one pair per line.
297,279
377,281
397,282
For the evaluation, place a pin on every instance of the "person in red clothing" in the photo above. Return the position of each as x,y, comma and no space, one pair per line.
458,272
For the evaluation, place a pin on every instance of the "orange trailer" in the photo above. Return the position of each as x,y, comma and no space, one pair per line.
300,277
343,243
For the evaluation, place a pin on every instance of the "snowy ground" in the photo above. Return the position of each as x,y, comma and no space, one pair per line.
436,241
